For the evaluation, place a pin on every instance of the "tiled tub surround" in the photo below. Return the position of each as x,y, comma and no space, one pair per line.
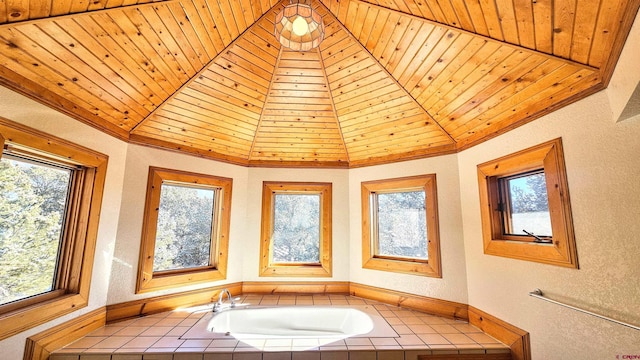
177,335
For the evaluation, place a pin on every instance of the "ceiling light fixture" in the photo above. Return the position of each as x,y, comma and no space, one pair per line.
299,27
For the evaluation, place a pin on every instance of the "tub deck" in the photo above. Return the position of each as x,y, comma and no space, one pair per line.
415,336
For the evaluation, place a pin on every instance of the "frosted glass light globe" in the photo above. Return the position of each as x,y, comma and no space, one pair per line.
300,26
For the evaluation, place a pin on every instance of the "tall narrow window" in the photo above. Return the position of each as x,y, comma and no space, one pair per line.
186,229
525,207
34,202
296,229
400,226
50,199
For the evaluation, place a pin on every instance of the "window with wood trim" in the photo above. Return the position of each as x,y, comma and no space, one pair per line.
50,197
185,235
296,229
400,225
525,208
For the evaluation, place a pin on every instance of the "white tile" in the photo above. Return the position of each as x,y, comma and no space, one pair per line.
306,355
413,354
390,355
444,352
334,355
64,357
467,351
247,356
160,351
95,357
86,342
220,350
126,357
285,355
196,343
218,356
278,343
147,356
187,356
362,355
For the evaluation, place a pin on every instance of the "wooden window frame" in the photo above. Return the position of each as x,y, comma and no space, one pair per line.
80,230
267,266
431,267
147,279
549,157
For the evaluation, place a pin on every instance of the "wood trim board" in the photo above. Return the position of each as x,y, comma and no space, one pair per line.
157,304
514,337
41,345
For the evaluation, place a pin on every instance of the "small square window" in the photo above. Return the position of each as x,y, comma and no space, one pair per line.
525,207
186,229
296,229
400,225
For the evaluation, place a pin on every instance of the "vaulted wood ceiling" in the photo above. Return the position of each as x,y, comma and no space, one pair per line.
393,79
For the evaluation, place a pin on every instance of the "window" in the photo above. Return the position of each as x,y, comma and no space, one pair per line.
296,229
400,226
185,231
33,207
50,198
525,206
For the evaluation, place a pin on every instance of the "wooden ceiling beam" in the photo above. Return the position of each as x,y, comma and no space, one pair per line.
266,100
200,72
89,12
488,38
384,69
623,30
333,105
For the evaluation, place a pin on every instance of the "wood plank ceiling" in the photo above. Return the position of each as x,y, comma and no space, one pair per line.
392,80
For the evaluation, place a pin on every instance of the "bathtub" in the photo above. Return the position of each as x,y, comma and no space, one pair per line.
292,322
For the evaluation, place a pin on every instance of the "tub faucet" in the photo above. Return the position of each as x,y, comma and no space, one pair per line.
218,306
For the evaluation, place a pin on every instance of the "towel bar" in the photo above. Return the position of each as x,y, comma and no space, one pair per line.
537,293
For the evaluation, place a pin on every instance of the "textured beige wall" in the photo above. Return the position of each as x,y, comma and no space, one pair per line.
340,216
22,110
127,250
626,76
453,284
603,168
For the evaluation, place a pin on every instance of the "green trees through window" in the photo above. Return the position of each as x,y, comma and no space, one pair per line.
526,198
185,234
33,198
50,201
525,206
296,228
402,225
185,219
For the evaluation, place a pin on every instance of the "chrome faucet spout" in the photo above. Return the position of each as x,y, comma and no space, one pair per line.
222,294
218,306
